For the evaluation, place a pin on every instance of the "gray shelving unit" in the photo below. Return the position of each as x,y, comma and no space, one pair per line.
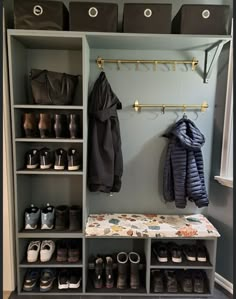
70,52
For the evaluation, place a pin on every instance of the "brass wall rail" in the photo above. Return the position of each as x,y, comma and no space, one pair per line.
137,107
101,61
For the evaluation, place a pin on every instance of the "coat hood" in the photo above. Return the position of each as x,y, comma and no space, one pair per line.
187,134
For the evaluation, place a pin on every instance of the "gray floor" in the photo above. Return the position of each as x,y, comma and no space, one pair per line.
219,294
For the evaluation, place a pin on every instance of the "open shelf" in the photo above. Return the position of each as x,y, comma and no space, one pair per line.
181,294
49,171
57,140
52,264
184,265
52,107
52,233
114,290
54,291
99,40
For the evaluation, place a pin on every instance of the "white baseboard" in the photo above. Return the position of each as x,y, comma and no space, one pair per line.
224,283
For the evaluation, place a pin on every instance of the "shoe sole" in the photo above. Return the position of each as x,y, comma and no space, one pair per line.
63,286
191,258
28,226
177,260
74,167
162,259
201,259
45,226
32,166
59,167
45,166
74,285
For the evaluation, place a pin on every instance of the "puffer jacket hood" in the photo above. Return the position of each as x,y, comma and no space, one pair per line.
188,135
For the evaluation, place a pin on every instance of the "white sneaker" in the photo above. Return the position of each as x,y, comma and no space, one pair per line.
47,250
33,251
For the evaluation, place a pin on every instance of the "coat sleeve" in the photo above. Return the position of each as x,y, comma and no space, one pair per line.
168,182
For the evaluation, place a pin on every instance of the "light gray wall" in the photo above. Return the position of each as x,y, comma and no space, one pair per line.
220,211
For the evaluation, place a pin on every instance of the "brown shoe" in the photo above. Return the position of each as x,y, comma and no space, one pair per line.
73,252
45,125
29,125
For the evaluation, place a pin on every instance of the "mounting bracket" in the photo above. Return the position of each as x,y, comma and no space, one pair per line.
209,65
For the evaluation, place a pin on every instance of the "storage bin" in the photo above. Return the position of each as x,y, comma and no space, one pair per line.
92,16
40,15
202,19
147,18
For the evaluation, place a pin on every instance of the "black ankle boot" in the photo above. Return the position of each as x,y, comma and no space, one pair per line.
122,260
109,272
97,279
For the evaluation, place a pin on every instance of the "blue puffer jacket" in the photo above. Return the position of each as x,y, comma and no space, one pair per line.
183,170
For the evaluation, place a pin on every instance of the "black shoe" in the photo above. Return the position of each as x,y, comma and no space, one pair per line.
46,158
73,159
190,252
63,280
201,252
175,252
157,281
160,252
198,282
31,279
109,272
75,215
60,159
32,159
62,217
46,280
171,281
74,279
97,279
186,281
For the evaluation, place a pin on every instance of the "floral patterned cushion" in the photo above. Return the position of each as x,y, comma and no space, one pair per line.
150,226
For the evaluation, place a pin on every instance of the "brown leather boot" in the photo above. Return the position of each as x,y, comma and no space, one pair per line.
134,259
29,124
45,125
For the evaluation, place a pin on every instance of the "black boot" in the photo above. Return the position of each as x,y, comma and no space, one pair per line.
97,279
134,259
122,260
75,215
74,126
109,272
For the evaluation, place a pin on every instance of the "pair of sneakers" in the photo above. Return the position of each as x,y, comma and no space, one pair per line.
33,215
45,159
45,278
44,249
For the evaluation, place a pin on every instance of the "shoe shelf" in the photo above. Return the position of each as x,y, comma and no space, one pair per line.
52,264
112,291
185,264
37,233
56,140
53,291
49,107
49,172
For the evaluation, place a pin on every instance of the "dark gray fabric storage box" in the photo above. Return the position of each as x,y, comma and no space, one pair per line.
147,18
92,16
202,19
40,15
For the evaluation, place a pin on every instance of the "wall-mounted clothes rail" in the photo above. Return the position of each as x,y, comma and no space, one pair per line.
137,106
101,61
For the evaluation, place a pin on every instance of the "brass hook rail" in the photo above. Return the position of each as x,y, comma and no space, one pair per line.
137,107
101,61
